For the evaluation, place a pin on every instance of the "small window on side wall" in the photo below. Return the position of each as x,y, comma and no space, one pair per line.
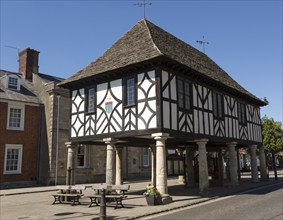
242,113
185,94
218,105
130,91
90,100
146,157
83,156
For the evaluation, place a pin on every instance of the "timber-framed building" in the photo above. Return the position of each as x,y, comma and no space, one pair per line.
151,89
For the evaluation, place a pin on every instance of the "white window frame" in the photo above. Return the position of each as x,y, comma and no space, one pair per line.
19,165
18,106
18,82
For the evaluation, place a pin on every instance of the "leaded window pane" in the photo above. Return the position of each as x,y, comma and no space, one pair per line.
91,100
131,91
15,118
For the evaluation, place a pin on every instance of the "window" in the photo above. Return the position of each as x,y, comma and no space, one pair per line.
90,100
218,105
146,155
15,118
242,113
130,92
13,159
184,94
82,156
12,83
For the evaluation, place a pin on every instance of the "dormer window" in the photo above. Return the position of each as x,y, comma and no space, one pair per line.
13,82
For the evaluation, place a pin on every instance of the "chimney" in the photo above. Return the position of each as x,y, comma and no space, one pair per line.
28,63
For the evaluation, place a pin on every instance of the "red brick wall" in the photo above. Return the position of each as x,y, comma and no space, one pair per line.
29,138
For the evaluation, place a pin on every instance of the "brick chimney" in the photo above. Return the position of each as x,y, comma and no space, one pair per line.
28,63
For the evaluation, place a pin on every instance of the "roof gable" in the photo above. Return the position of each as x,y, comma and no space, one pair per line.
146,41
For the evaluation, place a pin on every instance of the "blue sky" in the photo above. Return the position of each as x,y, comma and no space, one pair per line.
245,37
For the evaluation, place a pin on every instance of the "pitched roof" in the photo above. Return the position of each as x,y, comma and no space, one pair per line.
27,92
146,41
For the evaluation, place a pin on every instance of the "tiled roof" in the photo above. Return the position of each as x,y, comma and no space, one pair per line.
146,41
27,92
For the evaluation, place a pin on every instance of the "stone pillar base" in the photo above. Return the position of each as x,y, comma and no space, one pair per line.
166,199
181,180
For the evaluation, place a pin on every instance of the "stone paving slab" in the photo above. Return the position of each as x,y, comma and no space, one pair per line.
37,204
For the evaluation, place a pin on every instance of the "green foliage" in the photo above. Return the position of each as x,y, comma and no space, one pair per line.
151,190
272,133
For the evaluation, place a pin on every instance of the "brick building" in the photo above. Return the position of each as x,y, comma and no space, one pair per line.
20,118
28,124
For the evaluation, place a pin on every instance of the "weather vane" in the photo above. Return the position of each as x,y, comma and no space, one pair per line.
15,48
203,42
143,4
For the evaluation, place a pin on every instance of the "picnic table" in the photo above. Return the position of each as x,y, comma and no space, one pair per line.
116,193
69,192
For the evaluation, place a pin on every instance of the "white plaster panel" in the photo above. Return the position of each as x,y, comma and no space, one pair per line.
206,125
153,122
166,115
141,95
211,124
151,75
166,92
173,89
141,124
141,106
74,93
116,87
101,92
204,95
140,78
118,119
82,105
73,132
182,120
174,118
195,96
201,130
152,105
164,77
210,101
145,84
196,121
79,125
152,92
225,107
189,117
100,117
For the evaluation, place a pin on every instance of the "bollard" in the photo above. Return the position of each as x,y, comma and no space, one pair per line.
102,214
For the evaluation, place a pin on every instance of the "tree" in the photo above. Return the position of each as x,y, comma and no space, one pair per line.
272,133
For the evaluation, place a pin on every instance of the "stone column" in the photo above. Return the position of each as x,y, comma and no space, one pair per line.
70,177
263,172
254,163
110,161
153,165
233,165
190,167
119,179
161,173
221,166
203,170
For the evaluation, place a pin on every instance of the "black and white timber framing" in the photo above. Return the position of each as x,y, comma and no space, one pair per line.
157,106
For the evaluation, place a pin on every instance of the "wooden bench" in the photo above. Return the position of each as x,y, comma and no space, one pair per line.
72,192
120,191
